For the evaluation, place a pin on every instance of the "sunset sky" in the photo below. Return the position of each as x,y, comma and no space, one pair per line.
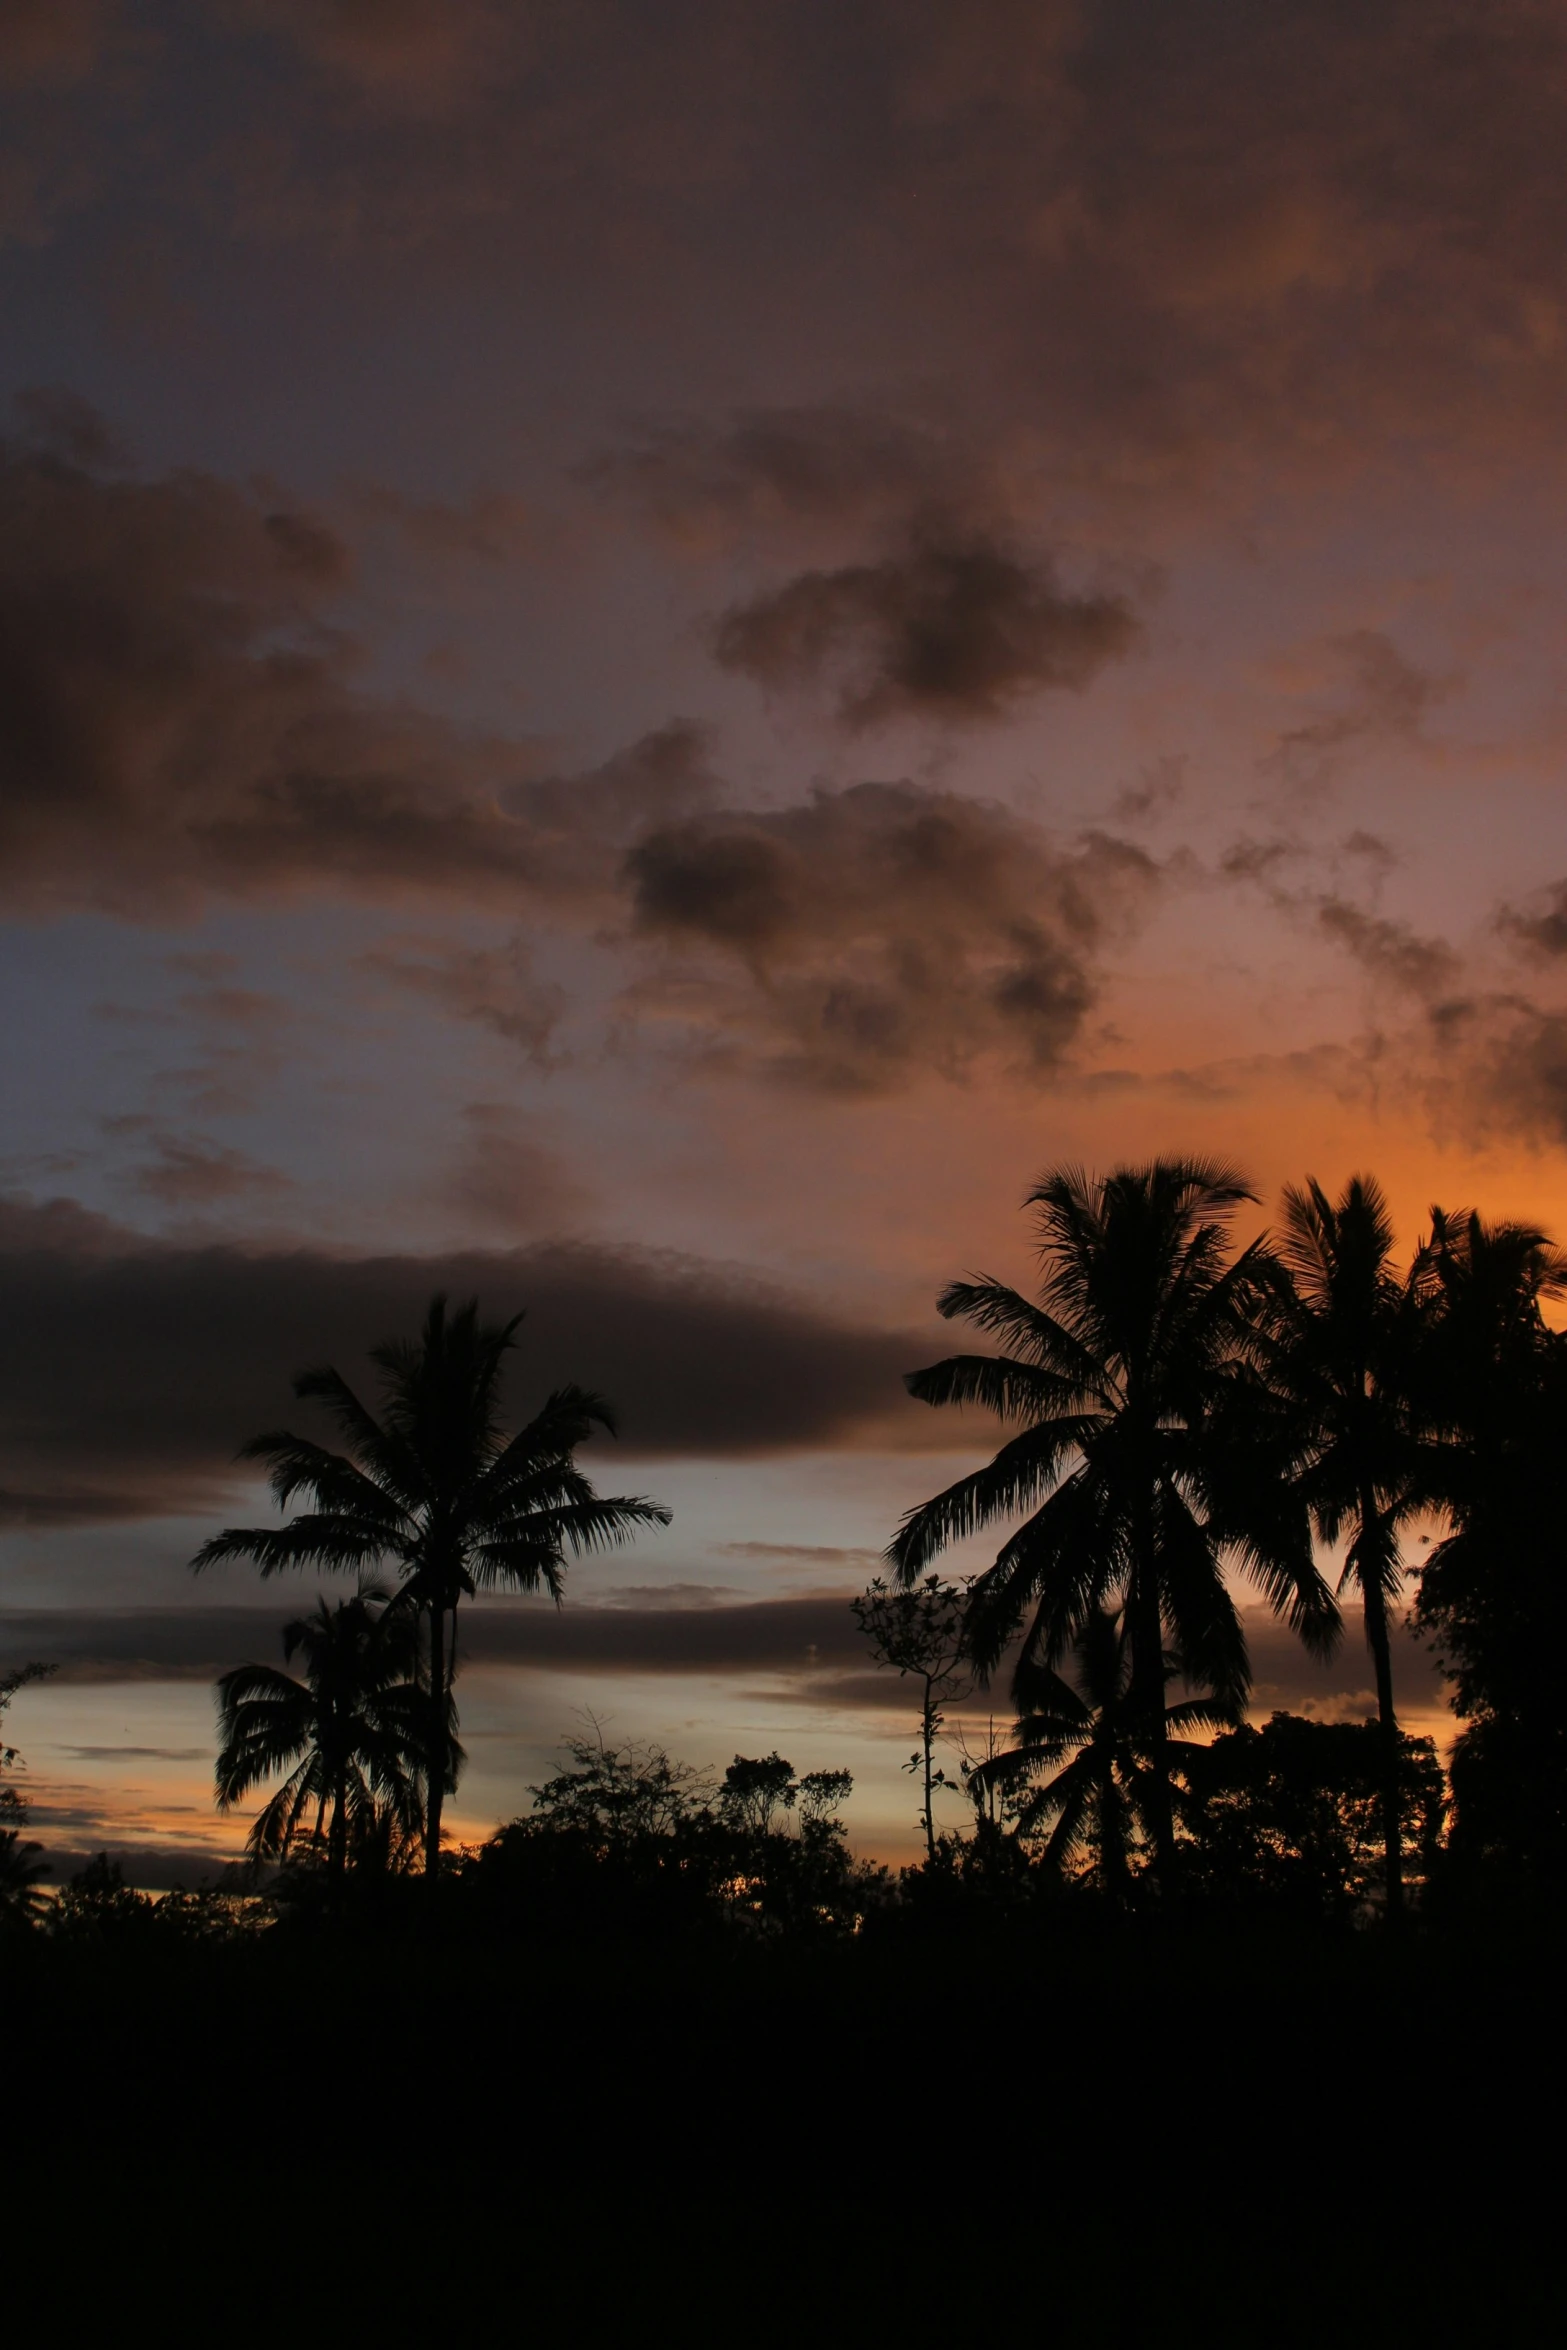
648,653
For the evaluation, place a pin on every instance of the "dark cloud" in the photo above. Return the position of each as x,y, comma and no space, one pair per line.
506,1179
418,57
1386,698
134,1370
867,934
51,41
189,1171
1169,243
578,824
1390,951
59,420
496,986
1541,926
769,468
196,1643
1160,788
812,1642
178,717
1497,1063
955,627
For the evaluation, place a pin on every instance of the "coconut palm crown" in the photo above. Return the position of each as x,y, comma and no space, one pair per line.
1145,1444
349,1735
1077,1772
433,1488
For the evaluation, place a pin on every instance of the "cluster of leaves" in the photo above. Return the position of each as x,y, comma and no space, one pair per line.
22,1865
95,1909
432,1490
625,1831
1180,1410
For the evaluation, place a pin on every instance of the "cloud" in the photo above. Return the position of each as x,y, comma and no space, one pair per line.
810,1645
1166,249
955,627
1541,928
188,1171
496,986
179,719
134,1369
1388,950
506,1180
1388,696
768,469
419,57
45,42
864,935
1497,1063
697,1635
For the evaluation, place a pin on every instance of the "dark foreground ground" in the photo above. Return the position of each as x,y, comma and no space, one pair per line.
1137,2130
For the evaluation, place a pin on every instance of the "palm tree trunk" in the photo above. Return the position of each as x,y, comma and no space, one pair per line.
1390,1745
435,1757
1146,1626
337,1845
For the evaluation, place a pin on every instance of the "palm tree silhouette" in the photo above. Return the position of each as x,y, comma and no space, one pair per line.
1344,1360
21,1877
1081,1761
1495,1388
434,1487
1132,1378
349,1734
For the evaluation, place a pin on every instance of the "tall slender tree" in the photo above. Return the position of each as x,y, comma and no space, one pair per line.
435,1489
348,1734
1143,1434
920,1632
1344,1362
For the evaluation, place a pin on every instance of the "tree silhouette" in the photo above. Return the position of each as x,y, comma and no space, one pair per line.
1082,1766
1345,1362
349,1734
433,1487
1291,1815
1143,1429
21,1868
756,1789
1492,1595
920,1632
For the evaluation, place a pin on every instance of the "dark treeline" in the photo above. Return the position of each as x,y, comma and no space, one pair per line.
1160,1982
1178,1410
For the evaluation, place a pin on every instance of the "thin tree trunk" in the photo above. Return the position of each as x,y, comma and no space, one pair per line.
1388,1741
337,1847
928,1728
435,1758
1147,1629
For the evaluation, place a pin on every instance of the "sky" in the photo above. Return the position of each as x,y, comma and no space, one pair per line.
648,654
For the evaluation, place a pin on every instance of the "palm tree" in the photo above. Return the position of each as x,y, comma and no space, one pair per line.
435,1488
1144,1438
1344,1360
21,1877
1100,1793
1495,1391
349,1734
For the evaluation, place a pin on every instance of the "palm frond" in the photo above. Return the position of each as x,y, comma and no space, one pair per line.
1021,1473
1001,1384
